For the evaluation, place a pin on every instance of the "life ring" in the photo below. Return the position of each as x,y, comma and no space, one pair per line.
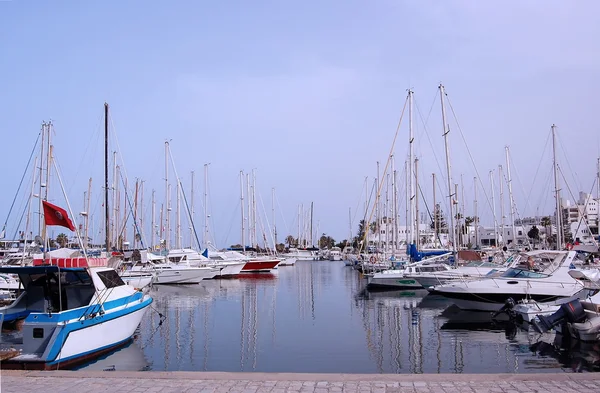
569,246
372,259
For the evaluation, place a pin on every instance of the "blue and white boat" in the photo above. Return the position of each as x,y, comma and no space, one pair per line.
67,316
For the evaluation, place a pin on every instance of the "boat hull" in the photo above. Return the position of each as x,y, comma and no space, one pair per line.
185,276
138,281
229,269
82,340
395,282
491,301
260,266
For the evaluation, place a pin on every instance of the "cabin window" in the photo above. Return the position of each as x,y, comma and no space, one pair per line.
110,278
38,333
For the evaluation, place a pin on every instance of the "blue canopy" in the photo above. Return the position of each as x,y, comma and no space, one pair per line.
43,269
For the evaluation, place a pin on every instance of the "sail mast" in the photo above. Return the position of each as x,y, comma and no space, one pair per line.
106,208
557,192
511,198
411,187
448,168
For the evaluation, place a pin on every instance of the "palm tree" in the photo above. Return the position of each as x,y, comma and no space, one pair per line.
546,222
62,239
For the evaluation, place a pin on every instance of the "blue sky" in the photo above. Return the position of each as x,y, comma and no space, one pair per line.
306,93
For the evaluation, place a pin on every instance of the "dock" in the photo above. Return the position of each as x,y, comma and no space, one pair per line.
229,382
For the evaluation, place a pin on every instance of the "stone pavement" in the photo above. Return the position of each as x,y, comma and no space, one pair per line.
220,382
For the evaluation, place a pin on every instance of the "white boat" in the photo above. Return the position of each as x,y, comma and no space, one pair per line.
541,275
397,278
170,273
191,257
302,254
8,282
288,261
138,279
470,271
528,309
335,254
71,316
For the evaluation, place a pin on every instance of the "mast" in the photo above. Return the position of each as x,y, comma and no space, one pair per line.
377,222
115,191
494,209
395,207
273,214
254,221
411,175
448,168
511,199
242,205
192,212
27,223
153,224
135,211
41,224
299,213
501,179
167,199
416,204
435,213
178,223
311,224
106,207
206,216
475,212
461,217
87,213
559,228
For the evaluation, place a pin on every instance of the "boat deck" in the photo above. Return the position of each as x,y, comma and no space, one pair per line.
224,382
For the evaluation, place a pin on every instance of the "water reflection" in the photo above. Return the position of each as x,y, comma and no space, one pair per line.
318,317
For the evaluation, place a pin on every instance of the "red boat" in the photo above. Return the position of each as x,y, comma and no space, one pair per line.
260,265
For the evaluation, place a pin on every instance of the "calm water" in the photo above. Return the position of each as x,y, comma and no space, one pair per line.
318,317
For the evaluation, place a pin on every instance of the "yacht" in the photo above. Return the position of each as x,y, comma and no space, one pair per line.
541,275
335,254
191,257
400,278
469,271
71,315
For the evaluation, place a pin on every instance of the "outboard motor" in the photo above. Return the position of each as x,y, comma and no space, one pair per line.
569,312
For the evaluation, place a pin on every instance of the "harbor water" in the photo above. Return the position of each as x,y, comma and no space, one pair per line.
319,317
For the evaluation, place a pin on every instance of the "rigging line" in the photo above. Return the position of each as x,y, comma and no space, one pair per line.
479,178
579,212
390,155
358,204
233,216
85,152
428,211
268,224
21,182
429,137
516,172
536,172
573,173
135,224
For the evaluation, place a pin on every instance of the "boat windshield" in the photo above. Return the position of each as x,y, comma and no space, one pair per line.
522,273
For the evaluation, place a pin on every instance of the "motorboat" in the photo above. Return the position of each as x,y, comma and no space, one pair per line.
287,261
469,271
335,254
397,277
71,315
541,275
191,257
252,264
302,254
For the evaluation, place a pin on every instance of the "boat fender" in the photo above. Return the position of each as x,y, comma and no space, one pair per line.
372,259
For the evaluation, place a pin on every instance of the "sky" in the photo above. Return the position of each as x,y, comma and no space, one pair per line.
308,94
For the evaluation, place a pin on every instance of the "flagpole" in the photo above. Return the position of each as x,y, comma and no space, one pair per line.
79,240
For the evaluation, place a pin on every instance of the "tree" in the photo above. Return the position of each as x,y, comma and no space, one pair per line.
546,222
280,247
361,235
534,234
62,240
342,244
374,226
291,241
326,241
438,218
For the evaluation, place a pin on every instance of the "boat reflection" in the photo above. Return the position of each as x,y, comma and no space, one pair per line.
128,358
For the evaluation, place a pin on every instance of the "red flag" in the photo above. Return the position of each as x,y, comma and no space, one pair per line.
54,215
